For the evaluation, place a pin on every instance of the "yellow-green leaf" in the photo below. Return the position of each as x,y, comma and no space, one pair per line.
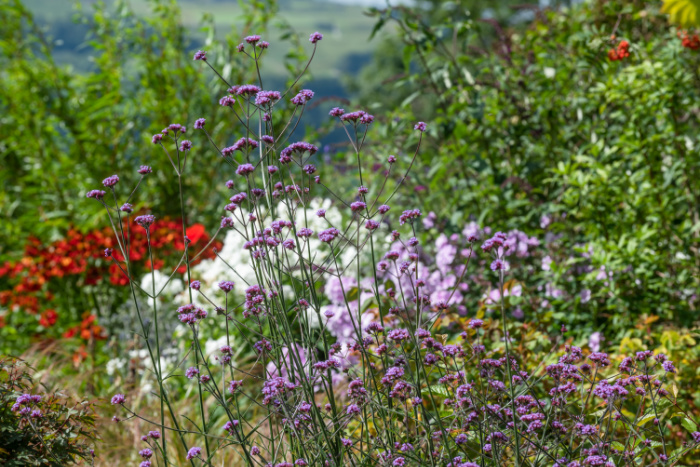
674,390
685,13
689,425
645,419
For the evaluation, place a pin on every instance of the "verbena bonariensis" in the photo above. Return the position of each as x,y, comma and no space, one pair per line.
393,391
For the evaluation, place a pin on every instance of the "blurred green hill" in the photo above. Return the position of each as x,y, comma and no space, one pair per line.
346,29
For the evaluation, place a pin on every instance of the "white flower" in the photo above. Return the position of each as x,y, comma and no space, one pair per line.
162,285
115,364
213,345
312,318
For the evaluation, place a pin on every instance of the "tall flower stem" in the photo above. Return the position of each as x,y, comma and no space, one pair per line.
159,373
506,338
189,279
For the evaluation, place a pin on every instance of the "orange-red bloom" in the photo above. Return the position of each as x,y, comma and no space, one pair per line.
621,52
44,271
688,41
48,318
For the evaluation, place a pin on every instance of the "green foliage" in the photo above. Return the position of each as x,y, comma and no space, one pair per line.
539,126
60,436
62,130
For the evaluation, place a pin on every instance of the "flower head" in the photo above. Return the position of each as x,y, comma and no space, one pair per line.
96,194
245,169
304,96
118,399
227,101
193,453
145,221
304,232
200,55
668,366
336,112
267,97
398,335
246,90
358,116
175,128
109,182
371,225
357,206
409,215
315,37
328,235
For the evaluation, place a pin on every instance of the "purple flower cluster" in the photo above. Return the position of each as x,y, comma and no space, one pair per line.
145,221
193,453
275,389
359,116
96,194
267,98
109,182
304,96
191,314
409,215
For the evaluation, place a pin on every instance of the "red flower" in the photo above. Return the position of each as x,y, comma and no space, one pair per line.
48,318
621,52
689,42
197,232
116,276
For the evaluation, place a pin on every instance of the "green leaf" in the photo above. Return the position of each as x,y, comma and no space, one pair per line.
436,389
376,28
689,425
618,446
645,419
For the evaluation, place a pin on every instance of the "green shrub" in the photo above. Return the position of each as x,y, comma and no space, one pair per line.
41,429
536,128
60,129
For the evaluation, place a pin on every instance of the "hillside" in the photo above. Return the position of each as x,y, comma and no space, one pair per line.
346,29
